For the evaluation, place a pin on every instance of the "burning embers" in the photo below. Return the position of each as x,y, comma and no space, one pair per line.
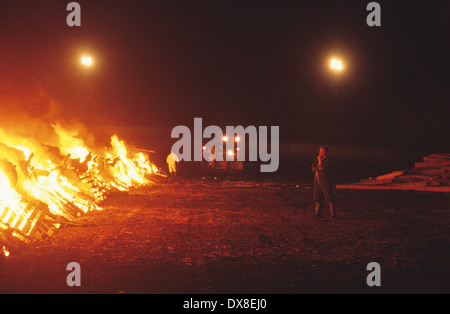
42,185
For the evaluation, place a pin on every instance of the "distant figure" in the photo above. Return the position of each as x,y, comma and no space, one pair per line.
172,161
323,182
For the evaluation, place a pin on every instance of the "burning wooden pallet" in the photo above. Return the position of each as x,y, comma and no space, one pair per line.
35,220
432,174
36,223
46,185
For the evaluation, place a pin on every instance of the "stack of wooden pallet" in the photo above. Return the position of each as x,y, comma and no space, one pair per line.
432,174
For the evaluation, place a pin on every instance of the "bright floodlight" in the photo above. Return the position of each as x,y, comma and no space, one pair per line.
86,61
336,65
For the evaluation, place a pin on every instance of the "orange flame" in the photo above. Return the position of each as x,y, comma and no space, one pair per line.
41,185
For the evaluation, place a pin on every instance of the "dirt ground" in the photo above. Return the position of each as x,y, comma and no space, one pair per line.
188,236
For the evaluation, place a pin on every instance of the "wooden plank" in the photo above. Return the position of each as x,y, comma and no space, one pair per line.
428,171
439,156
4,213
391,175
403,187
11,218
432,164
42,209
30,207
420,177
377,182
429,159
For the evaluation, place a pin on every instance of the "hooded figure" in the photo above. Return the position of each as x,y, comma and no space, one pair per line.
323,181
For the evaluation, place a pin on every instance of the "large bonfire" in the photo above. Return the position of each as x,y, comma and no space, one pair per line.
50,176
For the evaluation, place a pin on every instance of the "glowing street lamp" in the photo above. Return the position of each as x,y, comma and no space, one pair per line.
336,65
86,61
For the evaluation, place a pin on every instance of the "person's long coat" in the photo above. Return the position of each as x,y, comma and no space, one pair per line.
323,181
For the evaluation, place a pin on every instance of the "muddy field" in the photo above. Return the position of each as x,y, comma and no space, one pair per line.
189,236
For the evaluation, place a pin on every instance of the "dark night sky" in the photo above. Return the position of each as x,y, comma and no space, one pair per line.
162,63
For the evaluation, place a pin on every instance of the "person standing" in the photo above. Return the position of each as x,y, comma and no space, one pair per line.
172,160
323,182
